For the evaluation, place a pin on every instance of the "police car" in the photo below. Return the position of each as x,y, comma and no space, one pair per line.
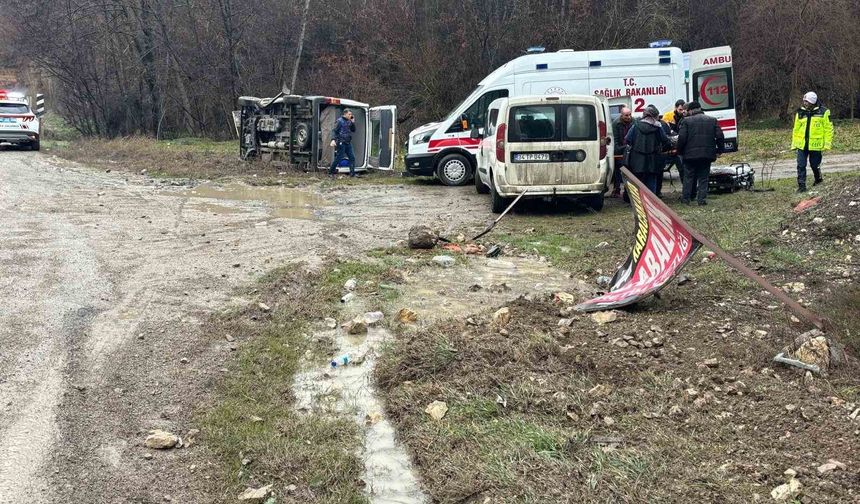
18,124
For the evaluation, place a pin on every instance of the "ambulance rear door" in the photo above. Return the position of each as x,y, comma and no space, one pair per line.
710,81
381,139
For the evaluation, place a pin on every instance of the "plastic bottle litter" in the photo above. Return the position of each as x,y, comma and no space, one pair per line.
343,360
347,297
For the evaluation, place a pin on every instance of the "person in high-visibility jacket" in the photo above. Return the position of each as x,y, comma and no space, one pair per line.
813,134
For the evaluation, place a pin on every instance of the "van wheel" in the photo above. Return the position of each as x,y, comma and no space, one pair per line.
497,202
594,202
302,134
454,170
480,187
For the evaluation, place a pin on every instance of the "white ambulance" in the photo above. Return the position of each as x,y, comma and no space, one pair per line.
634,77
18,124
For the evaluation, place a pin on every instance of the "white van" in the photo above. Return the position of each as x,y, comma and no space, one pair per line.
549,146
640,77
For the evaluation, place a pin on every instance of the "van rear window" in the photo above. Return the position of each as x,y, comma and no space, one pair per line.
532,124
581,123
13,108
547,123
714,90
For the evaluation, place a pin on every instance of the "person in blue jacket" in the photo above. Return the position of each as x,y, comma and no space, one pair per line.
341,140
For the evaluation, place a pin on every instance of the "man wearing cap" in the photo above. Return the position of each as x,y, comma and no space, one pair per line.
700,141
341,140
813,133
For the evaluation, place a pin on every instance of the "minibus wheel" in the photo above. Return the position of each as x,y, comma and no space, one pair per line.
454,170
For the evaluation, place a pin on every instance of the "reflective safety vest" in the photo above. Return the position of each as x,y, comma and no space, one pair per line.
812,129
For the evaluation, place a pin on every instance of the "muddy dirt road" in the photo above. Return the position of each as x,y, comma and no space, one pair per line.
104,278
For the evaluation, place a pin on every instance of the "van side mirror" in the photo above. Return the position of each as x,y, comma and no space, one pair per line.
477,133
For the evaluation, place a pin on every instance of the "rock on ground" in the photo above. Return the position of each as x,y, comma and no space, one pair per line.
502,317
255,495
161,440
421,237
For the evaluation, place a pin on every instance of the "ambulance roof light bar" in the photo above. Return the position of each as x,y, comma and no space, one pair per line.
660,43
535,50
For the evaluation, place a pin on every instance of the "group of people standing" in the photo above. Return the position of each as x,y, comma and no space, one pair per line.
689,139
684,136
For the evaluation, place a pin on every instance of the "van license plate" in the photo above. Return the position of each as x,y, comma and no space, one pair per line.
523,157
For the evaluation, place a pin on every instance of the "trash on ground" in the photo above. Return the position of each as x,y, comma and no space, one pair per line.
342,360
494,251
807,204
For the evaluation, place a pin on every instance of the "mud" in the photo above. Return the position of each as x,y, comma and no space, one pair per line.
278,201
106,278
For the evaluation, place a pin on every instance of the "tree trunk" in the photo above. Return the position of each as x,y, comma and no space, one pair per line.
301,46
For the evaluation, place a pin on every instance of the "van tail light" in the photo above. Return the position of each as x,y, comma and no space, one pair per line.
603,145
500,142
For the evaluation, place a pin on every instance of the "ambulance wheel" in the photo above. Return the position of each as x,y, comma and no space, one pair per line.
594,202
480,187
35,145
454,170
497,202
302,134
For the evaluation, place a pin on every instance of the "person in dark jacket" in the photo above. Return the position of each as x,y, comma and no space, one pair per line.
341,140
620,126
666,159
700,141
647,142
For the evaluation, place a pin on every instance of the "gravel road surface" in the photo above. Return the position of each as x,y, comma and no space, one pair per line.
105,279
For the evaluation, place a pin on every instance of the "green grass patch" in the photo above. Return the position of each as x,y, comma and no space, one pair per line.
770,139
253,415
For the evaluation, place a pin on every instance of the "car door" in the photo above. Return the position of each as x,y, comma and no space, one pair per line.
711,83
381,141
487,148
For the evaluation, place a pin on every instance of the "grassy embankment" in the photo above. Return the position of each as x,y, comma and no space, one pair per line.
252,415
672,403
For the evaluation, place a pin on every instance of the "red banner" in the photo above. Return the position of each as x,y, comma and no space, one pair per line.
662,247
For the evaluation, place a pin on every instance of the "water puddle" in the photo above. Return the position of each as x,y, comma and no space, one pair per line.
348,390
278,201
